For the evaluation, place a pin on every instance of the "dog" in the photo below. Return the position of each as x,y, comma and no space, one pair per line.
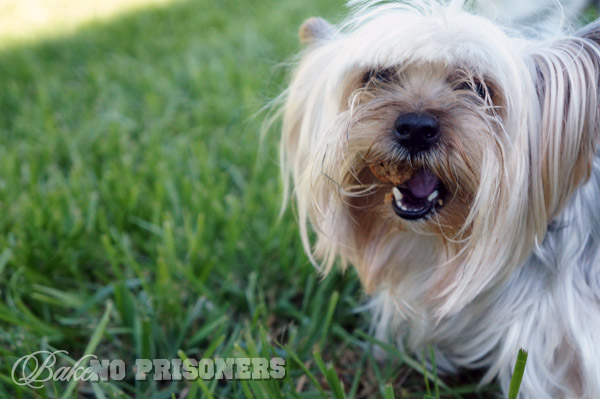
452,161
539,13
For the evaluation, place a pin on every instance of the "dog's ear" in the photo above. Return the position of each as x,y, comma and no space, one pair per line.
565,132
315,29
591,32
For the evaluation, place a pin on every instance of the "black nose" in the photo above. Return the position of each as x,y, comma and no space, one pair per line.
417,131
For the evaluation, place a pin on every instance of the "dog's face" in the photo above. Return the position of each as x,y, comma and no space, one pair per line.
432,124
428,147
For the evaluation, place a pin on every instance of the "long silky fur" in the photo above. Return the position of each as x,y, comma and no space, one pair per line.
519,269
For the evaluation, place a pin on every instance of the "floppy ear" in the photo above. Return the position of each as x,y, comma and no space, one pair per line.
565,131
315,29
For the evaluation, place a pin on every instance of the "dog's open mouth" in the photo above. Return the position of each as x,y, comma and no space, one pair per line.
419,196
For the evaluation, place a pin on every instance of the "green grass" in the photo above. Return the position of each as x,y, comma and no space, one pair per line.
139,212
517,376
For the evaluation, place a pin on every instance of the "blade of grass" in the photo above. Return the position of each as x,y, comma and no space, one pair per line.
389,392
305,369
199,381
515,381
358,375
435,375
328,316
91,346
426,378
331,376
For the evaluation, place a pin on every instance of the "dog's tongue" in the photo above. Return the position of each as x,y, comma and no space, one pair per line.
423,183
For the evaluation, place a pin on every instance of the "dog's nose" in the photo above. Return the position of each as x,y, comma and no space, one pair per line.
417,131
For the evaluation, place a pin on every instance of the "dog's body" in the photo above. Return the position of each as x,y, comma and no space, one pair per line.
549,306
453,164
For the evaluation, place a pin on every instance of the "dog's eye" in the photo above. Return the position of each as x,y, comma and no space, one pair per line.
385,75
477,86
480,89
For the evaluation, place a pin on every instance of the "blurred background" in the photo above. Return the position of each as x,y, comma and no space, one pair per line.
139,205
31,19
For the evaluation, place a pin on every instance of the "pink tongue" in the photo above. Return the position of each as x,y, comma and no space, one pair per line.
422,184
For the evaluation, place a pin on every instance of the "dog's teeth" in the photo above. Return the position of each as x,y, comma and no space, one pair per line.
440,202
397,194
403,207
432,196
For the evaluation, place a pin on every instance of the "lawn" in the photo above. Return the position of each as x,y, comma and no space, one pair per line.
140,212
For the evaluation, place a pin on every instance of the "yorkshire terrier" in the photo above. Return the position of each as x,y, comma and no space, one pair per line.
452,162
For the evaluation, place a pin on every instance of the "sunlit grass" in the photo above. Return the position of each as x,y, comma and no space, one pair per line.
22,20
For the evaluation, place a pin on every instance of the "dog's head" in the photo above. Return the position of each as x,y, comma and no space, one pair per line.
430,147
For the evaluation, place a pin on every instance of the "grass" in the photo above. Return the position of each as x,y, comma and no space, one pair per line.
139,212
28,20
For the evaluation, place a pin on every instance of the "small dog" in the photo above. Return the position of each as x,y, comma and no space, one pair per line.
452,162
